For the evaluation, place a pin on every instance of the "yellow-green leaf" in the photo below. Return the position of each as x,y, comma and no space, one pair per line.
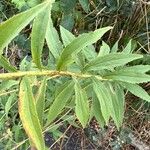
29,116
10,28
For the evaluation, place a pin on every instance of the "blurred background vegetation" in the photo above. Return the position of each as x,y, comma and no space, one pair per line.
131,20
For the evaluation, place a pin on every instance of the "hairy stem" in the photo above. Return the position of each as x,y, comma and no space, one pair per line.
51,73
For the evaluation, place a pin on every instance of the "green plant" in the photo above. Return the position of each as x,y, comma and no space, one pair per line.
91,84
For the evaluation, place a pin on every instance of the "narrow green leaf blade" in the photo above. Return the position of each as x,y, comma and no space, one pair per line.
28,114
111,61
38,35
104,49
6,65
104,98
52,39
82,105
9,103
117,104
10,28
40,100
137,68
78,44
60,102
137,91
128,48
115,47
68,37
97,112
121,103
128,76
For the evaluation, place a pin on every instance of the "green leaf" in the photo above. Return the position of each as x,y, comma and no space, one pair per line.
9,102
104,49
68,37
52,39
115,48
137,68
6,65
81,104
117,104
38,35
121,103
77,45
7,84
97,112
128,76
136,90
40,100
10,28
28,114
85,5
128,48
60,102
68,19
104,98
111,60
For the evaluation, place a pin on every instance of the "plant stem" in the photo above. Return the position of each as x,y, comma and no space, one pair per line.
51,73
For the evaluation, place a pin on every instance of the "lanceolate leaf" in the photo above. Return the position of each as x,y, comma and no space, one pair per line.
9,103
128,76
104,98
104,50
10,28
115,48
6,65
128,48
68,37
52,39
136,90
111,61
137,68
28,114
97,112
40,100
78,44
38,35
81,104
117,104
121,102
60,102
